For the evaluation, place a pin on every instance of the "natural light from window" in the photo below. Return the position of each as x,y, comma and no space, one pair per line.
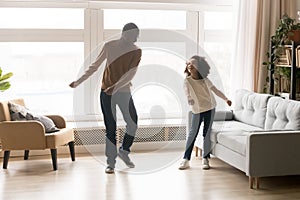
159,19
218,20
42,73
41,18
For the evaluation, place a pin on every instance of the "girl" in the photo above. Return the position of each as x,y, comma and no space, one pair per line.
199,93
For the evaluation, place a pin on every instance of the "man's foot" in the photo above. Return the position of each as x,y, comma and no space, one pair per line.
124,156
205,163
109,170
185,164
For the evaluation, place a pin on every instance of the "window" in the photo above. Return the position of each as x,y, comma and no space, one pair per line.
220,54
46,58
51,53
42,72
217,44
41,18
159,83
218,20
164,19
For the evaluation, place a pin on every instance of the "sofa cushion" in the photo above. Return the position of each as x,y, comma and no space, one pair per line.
225,127
282,114
230,126
250,107
235,140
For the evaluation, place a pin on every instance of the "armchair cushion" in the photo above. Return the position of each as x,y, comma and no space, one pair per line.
21,113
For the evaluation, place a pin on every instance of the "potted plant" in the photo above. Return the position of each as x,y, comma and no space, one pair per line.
4,83
288,30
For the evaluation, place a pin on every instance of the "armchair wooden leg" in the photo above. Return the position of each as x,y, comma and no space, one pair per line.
198,151
257,182
54,158
6,158
26,154
72,150
253,181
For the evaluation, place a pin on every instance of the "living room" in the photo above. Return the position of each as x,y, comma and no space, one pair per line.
48,44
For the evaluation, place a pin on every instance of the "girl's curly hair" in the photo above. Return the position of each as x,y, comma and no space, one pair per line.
202,67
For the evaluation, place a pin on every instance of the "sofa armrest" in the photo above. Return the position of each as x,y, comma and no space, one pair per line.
58,120
273,153
225,115
22,135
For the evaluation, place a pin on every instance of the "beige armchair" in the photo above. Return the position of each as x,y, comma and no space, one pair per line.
30,135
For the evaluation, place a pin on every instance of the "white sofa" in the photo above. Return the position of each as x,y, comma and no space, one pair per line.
260,137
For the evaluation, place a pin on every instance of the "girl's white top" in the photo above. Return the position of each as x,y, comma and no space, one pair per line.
200,91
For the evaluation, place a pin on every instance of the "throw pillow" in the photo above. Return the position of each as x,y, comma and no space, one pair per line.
17,112
21,113
47,122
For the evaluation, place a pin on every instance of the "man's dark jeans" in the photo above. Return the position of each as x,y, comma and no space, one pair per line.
108,105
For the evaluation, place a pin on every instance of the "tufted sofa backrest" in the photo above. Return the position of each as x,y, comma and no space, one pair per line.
250,107
282,114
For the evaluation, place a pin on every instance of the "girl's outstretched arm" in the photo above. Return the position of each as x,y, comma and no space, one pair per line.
221,95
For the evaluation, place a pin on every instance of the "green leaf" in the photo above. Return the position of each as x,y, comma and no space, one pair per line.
4,86
6,76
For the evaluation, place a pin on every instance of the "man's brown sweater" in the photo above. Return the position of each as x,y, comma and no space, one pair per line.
122,59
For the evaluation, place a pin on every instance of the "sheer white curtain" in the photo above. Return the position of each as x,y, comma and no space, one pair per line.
244,48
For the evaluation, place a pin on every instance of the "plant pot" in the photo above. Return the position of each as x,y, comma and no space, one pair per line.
294,35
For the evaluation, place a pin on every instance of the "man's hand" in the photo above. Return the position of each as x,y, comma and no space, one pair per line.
73,84
109,90
191,101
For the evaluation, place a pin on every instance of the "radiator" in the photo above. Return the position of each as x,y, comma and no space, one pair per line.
96,135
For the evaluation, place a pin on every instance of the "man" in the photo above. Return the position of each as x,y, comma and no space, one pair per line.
122,58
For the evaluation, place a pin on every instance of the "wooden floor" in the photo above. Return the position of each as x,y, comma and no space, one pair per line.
85,179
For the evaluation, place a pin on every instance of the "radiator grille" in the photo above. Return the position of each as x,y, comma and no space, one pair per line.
96,135
89,136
